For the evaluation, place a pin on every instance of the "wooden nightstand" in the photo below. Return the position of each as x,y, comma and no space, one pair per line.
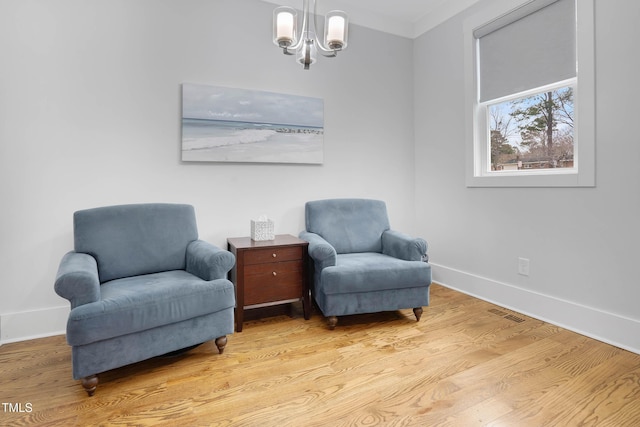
269,272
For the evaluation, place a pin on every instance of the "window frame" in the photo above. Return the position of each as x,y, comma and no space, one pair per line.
476,117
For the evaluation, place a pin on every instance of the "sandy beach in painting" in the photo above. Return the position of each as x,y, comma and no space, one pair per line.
213,140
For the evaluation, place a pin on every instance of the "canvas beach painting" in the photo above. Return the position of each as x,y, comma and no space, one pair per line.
221,124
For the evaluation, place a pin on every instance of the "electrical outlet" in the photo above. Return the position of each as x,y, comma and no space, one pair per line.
523,266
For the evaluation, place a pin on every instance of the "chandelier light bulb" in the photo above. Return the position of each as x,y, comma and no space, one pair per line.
336,30
284,26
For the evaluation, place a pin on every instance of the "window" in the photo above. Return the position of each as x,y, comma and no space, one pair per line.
533,131
531,108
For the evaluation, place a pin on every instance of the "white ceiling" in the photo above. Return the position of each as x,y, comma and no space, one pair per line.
407,18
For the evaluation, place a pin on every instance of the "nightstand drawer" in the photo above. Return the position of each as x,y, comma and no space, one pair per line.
273,269
267,287
260,256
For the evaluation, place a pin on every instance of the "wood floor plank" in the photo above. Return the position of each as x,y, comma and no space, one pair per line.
467,362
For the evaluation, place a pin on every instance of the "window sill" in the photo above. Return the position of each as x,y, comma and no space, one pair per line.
555,178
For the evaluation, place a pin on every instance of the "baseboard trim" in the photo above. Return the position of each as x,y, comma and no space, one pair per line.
28,325
619,331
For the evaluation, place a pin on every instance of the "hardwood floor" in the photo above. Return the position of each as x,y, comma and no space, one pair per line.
466,363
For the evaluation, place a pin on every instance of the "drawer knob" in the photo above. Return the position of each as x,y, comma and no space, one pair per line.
275,255
274,273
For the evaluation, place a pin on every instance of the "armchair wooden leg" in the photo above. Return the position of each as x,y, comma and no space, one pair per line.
89,384
221,343
418,312
332,321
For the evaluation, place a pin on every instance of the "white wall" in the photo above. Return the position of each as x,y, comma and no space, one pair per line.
582,242
90,108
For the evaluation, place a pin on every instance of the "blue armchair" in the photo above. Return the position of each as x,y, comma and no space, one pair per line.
141,284
360,264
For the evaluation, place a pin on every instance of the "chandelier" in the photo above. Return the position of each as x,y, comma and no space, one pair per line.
306,44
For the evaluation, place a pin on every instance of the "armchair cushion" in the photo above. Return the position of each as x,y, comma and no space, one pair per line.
349,225
370,272
138,303
112,235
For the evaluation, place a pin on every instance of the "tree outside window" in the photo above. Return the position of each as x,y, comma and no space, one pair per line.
533,132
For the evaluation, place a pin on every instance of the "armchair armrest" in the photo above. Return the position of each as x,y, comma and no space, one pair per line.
208,261
321,251
77,279
402,246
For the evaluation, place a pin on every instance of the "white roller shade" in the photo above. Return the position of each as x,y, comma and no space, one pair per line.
532,46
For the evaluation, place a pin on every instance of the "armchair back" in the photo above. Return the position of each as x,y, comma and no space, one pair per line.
130,240
349,225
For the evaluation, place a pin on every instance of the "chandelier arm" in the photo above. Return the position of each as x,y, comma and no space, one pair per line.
290,50
329,53
307,56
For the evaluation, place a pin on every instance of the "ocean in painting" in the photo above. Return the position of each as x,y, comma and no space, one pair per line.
222,140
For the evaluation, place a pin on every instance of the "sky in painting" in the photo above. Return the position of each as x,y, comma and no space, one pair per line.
242,105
